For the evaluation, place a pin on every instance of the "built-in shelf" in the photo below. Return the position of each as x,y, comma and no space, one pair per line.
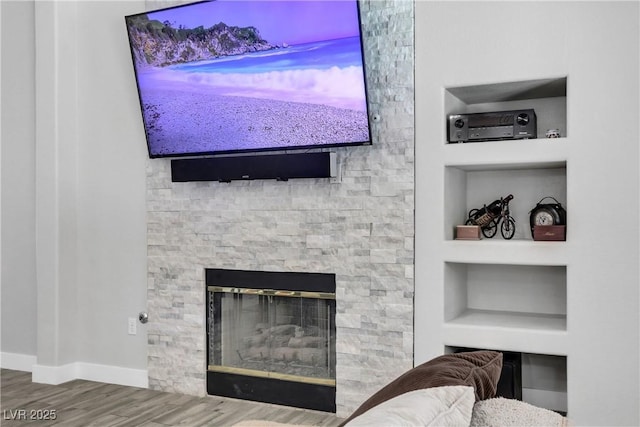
500,251
515,307
508,295
468,187
548,97
465,332
536,323
515,155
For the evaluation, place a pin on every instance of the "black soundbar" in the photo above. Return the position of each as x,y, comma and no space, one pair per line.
281,167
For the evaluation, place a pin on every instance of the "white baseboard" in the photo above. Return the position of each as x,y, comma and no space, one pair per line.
91,372
74,371
17,362
113,375
54,374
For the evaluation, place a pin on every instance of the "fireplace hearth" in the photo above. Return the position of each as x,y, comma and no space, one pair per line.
271,337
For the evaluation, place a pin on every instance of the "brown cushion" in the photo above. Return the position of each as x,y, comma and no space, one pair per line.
478,369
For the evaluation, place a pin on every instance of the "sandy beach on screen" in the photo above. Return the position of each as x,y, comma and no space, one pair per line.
207,122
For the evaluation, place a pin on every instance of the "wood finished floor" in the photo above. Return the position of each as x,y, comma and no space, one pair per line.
86,403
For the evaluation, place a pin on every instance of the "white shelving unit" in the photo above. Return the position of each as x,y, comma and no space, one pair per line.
508,295
569,308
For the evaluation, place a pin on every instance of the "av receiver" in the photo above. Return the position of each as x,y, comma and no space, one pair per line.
514,124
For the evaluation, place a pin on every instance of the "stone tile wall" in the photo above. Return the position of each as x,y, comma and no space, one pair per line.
359,225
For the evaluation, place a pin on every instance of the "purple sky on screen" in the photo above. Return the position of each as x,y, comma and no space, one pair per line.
279,21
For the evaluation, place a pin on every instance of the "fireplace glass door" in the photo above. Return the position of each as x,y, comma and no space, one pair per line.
288,335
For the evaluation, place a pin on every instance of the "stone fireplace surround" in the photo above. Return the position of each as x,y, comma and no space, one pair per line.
359,225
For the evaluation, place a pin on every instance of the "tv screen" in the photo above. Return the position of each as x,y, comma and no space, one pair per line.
231,76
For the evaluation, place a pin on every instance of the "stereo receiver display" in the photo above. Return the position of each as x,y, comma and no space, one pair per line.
499,125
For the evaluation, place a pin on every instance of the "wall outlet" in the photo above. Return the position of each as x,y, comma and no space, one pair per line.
132,326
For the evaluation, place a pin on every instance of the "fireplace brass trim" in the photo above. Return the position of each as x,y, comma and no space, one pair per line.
272,292
273,375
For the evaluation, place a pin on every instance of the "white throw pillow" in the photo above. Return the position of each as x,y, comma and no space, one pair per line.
514,413
438,406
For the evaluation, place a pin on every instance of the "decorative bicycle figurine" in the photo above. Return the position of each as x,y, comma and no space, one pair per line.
489,217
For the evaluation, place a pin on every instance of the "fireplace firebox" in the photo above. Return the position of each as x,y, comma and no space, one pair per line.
271,337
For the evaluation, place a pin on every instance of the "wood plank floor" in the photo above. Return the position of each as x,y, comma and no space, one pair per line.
86,403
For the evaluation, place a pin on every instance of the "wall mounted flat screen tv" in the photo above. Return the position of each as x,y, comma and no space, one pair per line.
231,76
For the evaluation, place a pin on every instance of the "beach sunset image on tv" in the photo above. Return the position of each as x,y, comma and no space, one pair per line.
247,75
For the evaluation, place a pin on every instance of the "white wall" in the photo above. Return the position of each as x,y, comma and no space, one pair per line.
18,183
596,45
112,264
80,181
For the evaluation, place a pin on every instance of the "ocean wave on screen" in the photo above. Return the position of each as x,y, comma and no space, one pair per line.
342,87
